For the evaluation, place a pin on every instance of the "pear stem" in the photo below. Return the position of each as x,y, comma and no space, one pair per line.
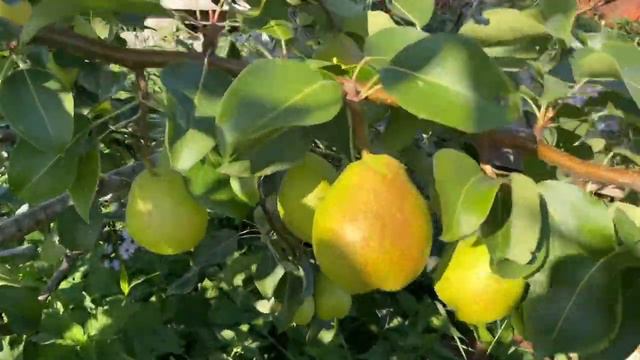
358,126
143,146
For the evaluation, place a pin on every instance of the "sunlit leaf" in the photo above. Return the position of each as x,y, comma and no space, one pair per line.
450,80
251,109
465,193
36,107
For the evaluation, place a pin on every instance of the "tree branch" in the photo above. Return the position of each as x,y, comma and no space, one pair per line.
142,58
131,58
25,250
577,167
58,277
29,221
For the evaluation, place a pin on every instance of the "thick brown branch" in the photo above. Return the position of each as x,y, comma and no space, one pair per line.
29,221
131,58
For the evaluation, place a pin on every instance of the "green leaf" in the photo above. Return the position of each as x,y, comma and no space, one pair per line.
343,8
626,218
186,81
610,60
401,131
579,217
36,107
559,16
517,239
83,189
417,11
31,172
581,308
50,11
251,110
246,188
216,247
102,81
191,148
340,49
214,190
279,29
385,44
268,275
148,336
450,80
626,339
186,283
554,89
76,234
289,293
505,26
465,193
21,307
277,154
377,21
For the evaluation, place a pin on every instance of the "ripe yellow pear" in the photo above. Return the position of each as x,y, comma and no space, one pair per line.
332,301
305,312
469,287
373,228
301,189
18,13
161,214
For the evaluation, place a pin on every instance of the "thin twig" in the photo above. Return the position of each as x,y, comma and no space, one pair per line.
143,144
60,275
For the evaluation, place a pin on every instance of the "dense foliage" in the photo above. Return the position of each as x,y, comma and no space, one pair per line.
516,121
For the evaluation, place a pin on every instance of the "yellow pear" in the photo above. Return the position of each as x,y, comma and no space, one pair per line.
332,301
373,228
305,312
161,214
469,287
301,189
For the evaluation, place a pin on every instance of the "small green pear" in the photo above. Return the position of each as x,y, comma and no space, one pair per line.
305,312
301,190
332,301
161,215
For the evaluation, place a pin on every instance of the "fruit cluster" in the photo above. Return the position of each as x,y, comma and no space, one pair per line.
369,226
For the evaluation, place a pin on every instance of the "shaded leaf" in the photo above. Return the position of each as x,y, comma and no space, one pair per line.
559,16
450,80
31,171
21,307
83,189
417,11
277,154
76,234
216,247
626,339
36,107
465,193
581,308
